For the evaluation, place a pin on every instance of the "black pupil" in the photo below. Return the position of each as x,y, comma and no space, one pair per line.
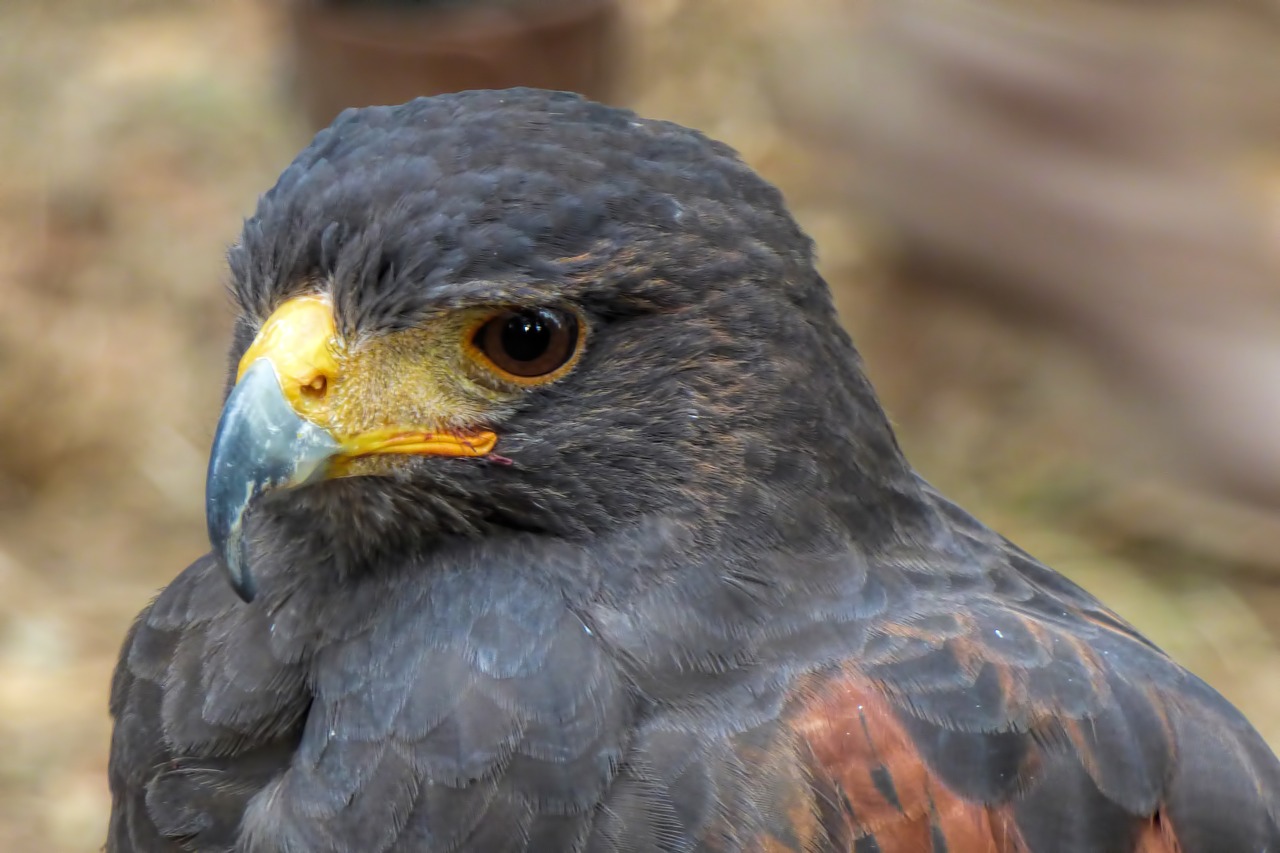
526,337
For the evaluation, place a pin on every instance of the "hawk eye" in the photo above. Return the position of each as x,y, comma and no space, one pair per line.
528,343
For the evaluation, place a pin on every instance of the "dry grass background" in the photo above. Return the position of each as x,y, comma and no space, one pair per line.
135,135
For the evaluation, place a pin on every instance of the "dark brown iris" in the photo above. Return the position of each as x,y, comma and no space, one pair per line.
529,343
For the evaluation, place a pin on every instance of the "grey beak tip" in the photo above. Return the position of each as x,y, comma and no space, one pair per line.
261,444
232,555
244,586
227,505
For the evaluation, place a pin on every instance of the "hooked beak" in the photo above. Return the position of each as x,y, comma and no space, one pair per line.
261,444
276,432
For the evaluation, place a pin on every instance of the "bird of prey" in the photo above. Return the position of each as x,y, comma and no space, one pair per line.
559,515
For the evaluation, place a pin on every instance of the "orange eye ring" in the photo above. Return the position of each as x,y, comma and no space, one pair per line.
528,346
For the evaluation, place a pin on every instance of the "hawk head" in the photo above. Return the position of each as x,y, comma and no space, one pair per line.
522,312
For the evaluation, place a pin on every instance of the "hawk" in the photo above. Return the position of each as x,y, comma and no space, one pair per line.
558,514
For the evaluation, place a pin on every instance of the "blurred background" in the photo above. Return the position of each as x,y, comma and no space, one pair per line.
1053,228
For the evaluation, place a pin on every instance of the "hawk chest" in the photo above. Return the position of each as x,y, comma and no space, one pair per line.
450,718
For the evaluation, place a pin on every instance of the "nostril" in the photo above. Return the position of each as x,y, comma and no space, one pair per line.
316,387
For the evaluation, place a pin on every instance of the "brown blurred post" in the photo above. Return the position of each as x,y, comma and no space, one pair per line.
355,54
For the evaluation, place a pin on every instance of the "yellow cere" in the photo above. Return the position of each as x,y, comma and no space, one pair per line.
301,341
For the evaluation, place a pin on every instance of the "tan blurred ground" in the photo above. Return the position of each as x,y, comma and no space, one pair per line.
134,136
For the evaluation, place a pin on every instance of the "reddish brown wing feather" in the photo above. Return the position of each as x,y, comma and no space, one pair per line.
873,783
875,791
